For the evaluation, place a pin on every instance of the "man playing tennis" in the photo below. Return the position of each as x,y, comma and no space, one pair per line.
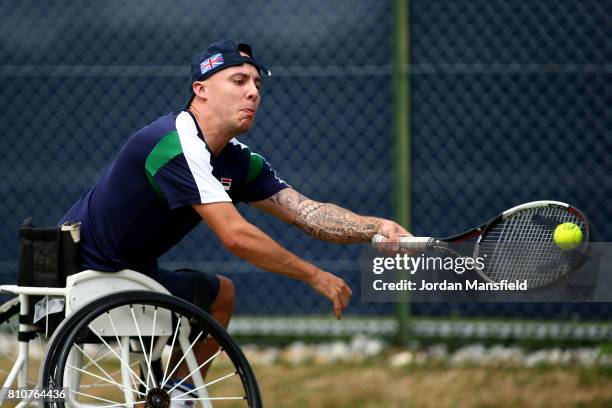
187,167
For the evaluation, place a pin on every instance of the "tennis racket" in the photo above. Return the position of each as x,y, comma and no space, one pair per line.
517,244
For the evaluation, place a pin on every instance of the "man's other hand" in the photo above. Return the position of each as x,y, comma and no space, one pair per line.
333,288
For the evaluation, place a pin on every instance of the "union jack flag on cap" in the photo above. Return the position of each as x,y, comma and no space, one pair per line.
211,62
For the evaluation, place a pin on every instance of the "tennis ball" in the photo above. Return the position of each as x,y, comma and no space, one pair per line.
567,235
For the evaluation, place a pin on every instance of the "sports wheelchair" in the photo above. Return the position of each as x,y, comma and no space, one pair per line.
88,339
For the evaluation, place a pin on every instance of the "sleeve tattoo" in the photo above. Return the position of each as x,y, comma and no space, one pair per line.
326,221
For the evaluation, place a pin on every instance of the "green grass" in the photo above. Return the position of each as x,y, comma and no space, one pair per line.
374,384
434,385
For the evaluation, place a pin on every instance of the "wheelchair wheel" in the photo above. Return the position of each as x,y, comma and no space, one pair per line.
151,350
9,349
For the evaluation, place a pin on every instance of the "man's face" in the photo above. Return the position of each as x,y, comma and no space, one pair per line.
233,96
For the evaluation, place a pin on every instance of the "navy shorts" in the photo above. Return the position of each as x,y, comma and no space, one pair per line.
196,287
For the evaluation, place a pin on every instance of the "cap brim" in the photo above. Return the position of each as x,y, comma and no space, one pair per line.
258,64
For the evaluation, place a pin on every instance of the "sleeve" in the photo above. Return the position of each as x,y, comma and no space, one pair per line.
184,183
261,182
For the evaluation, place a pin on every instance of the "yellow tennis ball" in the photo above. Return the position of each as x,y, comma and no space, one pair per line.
567,235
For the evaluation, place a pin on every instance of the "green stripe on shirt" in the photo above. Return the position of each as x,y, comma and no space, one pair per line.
168,147
255,165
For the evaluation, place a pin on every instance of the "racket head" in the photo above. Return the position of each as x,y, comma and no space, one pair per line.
518,244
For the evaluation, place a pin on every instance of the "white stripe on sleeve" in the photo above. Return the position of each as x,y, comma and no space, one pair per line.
198,159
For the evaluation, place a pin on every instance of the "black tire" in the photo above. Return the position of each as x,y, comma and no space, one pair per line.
77,330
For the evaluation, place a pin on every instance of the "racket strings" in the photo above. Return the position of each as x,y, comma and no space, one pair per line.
508,246
532,252
522,248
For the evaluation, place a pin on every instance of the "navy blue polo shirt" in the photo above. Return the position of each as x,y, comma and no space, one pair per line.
141,206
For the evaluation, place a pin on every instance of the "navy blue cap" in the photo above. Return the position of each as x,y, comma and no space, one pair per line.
220,55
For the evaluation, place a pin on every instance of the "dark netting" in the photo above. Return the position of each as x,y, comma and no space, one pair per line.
510,103
78,78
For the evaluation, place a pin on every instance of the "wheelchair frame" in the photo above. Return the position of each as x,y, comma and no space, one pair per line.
81,289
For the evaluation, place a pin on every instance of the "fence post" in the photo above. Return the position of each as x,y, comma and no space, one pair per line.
401,137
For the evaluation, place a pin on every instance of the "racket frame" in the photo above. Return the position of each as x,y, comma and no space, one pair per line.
485,228
441,244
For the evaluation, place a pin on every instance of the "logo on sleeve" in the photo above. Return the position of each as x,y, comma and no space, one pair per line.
227,183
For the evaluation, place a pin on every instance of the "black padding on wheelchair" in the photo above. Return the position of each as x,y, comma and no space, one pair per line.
25,319
46,256
26,336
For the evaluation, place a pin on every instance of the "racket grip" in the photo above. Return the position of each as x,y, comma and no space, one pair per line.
410,243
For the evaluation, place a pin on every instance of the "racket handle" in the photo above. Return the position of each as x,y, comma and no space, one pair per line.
411,243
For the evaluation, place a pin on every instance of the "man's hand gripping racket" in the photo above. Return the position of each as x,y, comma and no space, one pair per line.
518,244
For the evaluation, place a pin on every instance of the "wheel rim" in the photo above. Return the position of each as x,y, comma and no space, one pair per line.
230,380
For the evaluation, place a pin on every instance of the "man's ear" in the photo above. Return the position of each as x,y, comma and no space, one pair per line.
200,89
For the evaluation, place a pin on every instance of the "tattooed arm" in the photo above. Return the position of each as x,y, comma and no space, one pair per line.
327,221
253,245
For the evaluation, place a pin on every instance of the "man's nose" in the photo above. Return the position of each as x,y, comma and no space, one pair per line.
252,91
